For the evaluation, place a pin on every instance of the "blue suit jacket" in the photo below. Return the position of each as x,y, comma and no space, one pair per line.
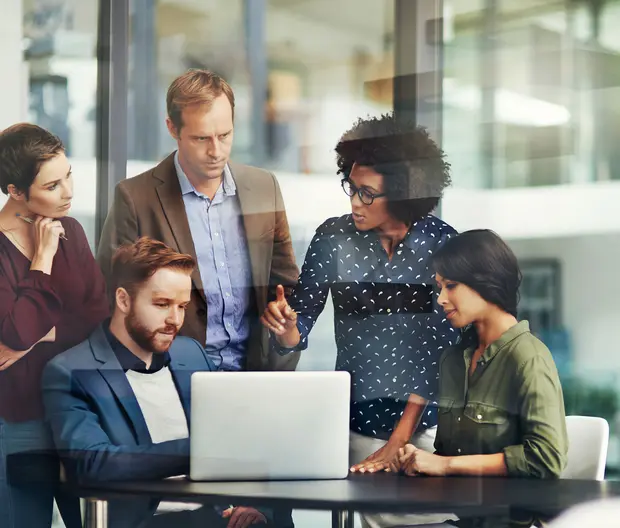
98,427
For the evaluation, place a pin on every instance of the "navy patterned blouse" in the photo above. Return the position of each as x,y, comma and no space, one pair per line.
389,329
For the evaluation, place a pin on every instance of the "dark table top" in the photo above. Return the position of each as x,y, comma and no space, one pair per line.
376,493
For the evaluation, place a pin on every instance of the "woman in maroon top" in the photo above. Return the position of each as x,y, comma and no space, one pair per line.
52,296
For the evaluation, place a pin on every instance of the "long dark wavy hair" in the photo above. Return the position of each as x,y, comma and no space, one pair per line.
481,260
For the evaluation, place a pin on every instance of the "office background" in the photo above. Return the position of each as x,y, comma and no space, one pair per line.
524,96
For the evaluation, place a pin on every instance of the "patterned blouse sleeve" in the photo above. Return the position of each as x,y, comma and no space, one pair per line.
309,295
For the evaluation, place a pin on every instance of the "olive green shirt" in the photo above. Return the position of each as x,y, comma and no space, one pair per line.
512,404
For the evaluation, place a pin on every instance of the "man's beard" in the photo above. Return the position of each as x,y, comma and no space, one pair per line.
145,338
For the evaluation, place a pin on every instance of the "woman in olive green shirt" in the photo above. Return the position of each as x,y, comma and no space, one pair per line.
501,410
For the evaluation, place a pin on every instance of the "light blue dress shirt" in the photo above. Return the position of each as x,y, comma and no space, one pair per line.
221,248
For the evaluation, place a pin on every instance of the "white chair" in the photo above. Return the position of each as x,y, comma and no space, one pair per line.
603,513
588,438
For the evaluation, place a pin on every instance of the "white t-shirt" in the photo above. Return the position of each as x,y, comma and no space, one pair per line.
164,416
160,404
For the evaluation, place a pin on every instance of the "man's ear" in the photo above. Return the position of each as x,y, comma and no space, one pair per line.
172,129
123,300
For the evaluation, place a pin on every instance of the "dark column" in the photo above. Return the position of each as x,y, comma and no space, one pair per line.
418,67
111,135
418,63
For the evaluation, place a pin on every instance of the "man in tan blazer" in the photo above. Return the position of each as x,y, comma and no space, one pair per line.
229,217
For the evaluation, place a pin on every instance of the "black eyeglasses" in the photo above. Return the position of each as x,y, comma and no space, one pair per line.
365,195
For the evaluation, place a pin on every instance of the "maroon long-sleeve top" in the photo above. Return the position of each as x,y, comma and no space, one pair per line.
72,299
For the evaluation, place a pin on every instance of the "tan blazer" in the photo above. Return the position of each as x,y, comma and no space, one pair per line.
151,204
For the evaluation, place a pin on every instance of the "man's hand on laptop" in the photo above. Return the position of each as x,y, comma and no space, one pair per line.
242,517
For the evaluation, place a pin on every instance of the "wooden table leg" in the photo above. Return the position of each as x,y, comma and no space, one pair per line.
342,519
96,514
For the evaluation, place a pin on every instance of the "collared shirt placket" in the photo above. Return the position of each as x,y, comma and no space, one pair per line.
219,254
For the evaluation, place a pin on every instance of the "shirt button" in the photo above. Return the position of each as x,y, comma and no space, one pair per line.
227,294
458,451
458,419
389,311
217,234
479,417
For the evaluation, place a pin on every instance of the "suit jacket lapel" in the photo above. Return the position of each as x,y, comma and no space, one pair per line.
185,359
253,222
182,376
115,377
169,193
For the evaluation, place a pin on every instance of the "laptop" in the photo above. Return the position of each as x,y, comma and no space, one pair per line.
269,426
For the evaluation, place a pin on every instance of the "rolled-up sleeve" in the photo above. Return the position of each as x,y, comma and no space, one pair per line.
28,310
543,452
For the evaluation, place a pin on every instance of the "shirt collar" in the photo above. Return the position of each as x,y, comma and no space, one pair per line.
415,229
411,238
129,361
228,184
509,335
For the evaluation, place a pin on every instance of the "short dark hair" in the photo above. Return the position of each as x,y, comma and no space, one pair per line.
481,260
134,263
413,167
24,147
